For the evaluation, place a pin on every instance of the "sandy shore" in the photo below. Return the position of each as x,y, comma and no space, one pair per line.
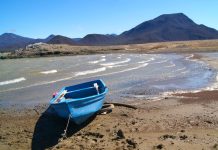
183,121
172,123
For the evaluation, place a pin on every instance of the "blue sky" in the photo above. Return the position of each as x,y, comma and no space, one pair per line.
76,18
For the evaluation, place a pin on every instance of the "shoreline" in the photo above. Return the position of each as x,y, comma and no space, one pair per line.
55,50
213,87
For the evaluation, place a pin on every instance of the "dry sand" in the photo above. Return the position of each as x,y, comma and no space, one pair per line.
174,122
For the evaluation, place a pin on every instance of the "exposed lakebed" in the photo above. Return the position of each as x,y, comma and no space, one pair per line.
128,76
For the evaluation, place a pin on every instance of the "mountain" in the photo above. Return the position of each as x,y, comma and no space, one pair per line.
58,39
10,41
168,27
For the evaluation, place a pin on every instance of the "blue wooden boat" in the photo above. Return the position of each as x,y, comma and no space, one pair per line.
80,101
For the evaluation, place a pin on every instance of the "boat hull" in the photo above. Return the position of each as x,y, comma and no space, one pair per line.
82,109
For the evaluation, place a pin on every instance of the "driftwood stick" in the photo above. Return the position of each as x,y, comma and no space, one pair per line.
123,105
106,109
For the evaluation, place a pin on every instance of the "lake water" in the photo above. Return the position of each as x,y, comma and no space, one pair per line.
128,76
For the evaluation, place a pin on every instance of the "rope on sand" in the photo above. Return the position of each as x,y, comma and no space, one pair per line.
36,111
64,135
123,105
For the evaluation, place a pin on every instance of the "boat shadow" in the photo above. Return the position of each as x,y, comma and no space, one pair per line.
49,129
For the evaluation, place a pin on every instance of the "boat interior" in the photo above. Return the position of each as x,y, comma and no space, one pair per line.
83,90
81,93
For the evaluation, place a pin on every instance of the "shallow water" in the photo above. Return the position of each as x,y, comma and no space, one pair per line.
138,76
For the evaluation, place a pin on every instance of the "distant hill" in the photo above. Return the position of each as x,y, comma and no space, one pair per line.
97,39
48,38
10,41
58,39
76,39
167,27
